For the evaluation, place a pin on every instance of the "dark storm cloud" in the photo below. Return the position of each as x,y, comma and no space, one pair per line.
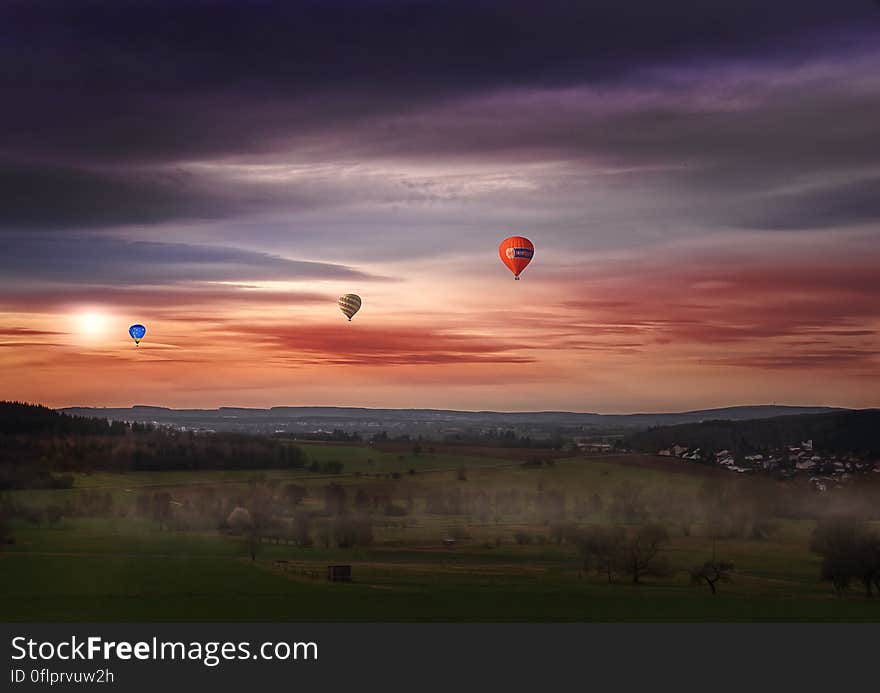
853,202
63,197
754,145
752,114
46,196
106,104
165,80
101,260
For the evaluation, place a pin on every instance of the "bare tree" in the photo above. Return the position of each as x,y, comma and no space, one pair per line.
253,543
334,499
850,550
5,530
601,549
349,532
640,552
161,503
563,531
741,508
239,519
302,532
628,502
711,572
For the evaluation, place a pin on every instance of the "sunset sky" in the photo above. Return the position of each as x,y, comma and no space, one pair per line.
702,187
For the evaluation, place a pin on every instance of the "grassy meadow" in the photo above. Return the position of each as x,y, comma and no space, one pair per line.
506,564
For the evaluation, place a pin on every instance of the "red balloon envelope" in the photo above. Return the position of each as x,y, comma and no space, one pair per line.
516,252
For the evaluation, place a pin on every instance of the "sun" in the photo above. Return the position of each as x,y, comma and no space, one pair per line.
91,324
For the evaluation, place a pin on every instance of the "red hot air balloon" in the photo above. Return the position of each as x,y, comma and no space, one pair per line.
516,252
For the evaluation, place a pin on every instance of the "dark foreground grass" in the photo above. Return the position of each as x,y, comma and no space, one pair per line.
134,588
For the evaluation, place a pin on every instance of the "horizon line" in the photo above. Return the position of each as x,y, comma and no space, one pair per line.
476,411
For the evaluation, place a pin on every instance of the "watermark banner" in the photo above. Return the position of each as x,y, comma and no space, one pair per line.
390,657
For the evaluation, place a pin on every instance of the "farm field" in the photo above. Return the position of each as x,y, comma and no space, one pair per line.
357,459
464,564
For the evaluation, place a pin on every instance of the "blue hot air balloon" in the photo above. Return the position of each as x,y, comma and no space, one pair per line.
137,333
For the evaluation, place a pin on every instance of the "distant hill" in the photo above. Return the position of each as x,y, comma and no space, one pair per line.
422,420
840,431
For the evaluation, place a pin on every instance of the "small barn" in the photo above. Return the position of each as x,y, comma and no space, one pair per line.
339,573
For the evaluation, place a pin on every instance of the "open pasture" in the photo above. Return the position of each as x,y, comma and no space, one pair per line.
469,562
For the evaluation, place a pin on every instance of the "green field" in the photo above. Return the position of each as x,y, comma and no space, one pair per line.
124,567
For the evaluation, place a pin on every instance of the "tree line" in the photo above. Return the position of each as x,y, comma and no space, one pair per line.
41,448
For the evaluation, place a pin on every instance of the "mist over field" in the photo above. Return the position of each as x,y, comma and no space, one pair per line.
483,523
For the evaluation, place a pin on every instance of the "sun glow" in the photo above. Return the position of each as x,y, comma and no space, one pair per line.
92,324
